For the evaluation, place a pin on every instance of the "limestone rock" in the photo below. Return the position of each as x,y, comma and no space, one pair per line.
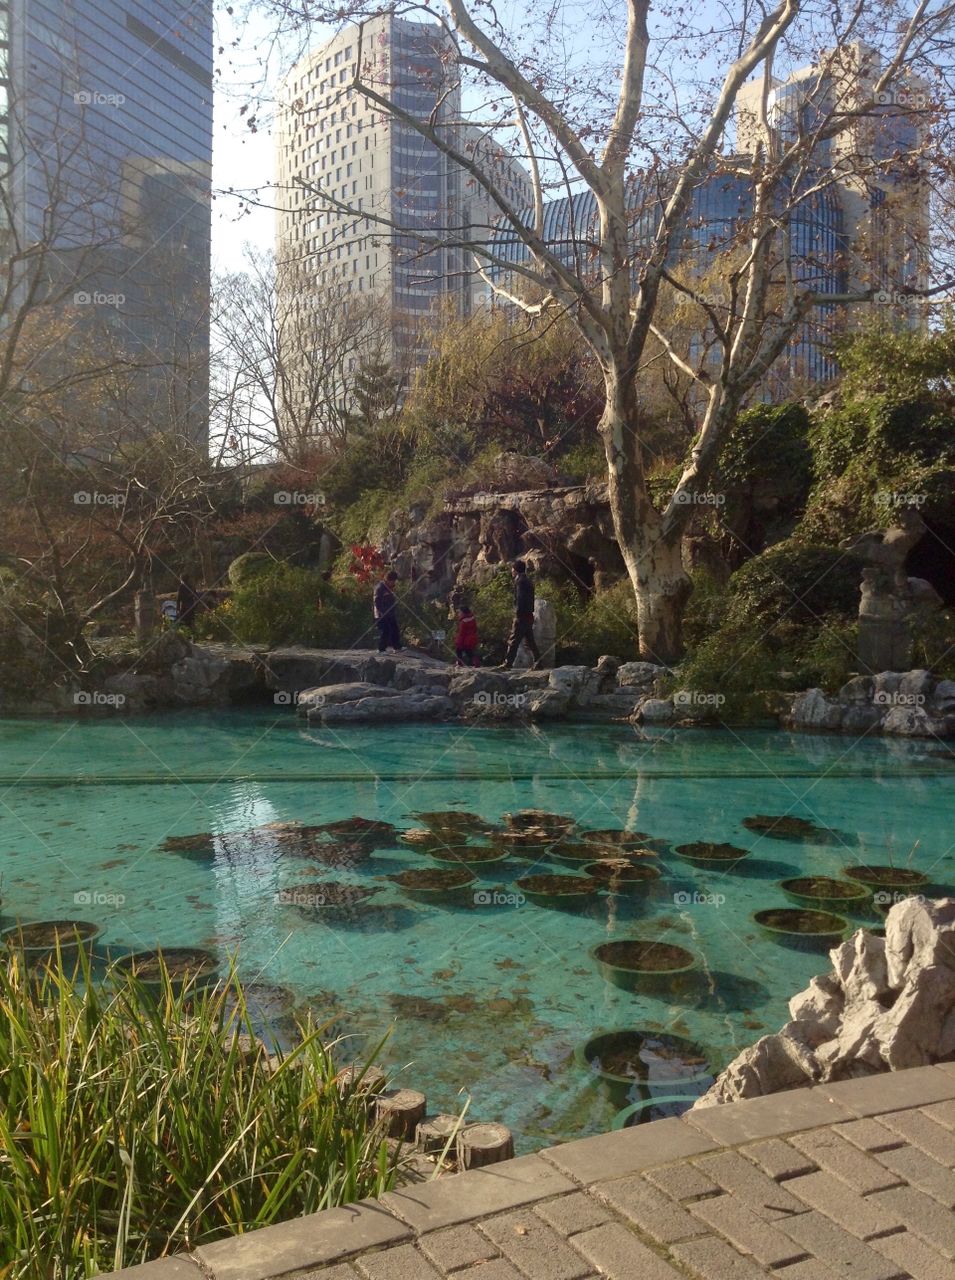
887,1004
329,695
655,711
640,674
382,710
814,711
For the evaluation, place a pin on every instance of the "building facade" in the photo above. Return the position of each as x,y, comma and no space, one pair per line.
856,217
106,147
362,192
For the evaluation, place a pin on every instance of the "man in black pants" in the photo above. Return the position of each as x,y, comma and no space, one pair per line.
386,613
522,627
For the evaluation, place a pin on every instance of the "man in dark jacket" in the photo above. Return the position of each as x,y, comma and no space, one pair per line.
522,627
386,613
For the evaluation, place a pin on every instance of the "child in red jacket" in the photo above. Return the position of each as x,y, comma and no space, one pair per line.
466,638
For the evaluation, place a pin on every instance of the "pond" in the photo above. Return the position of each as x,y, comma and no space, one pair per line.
491,994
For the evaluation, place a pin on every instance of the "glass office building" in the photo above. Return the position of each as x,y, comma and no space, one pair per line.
107,160
721,207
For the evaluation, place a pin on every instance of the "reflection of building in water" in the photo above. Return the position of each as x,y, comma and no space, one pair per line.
107,151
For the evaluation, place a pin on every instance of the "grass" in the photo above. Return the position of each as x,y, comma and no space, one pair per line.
134,1122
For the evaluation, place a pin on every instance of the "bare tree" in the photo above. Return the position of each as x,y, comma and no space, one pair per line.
639,118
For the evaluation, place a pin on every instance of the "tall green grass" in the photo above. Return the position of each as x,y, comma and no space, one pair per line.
135,1122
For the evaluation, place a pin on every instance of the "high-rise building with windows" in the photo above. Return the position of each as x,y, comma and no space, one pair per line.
856,214
106,154
362,192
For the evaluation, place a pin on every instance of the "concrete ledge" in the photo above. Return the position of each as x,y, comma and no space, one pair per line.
733,1123
178,1268
896,1090
292,1246
465,1196
609,1155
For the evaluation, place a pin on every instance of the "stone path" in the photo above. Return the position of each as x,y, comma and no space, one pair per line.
853,1180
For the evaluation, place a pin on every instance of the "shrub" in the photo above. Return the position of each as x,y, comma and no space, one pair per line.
248,566
285,605
135,1123
797,582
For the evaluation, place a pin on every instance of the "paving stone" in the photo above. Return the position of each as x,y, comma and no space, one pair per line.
682,1181
862,1218
892,1090
403,1263
778,1159
765,1197
712,1259
733,1218
573,1213
477,1193
534,1247
942,1113
921,1215
808,1269
342,1272
497,1269
768,1117
843,1253
920,1260
650,1210
868,1135
911,1165
837,1156
619,1255
456,1247
300,1243
611,1155
922,1131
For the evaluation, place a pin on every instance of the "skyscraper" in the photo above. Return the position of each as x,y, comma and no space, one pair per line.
106,150
337,148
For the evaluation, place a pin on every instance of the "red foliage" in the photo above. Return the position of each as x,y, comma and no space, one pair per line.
366,561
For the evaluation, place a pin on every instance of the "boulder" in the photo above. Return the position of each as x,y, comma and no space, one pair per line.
814,711
640,674
405,707
330,695
915,722
654,711
887,1004
943,697
549,704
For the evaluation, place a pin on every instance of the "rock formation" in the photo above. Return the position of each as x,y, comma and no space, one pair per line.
888,1003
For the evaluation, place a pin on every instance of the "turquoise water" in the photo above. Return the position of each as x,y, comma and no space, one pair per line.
485,1001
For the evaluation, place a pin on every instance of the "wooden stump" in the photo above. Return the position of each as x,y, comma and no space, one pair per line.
401,1110
372,1080
482,1144
431,1135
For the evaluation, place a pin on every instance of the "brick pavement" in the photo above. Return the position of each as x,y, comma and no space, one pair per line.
854,1181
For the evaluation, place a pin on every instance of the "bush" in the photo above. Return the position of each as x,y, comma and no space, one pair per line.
286,605
248,566
135,1123
797,582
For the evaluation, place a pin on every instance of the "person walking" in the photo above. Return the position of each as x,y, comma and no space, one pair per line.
187,603
522,627
386,614
466,638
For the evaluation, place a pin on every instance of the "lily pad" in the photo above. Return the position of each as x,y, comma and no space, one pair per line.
784,827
